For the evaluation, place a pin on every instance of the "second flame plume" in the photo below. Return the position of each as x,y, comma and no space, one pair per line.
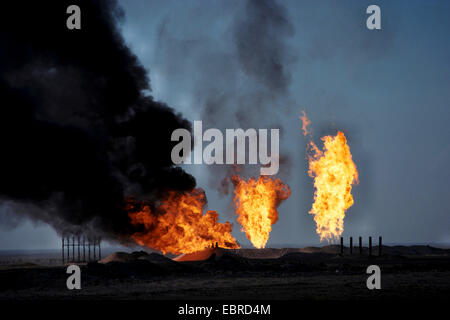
256,203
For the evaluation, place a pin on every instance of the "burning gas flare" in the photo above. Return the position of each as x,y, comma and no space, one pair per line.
178,224
334,173
256,203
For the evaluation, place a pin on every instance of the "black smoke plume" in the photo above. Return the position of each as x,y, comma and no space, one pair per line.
79,131
260,37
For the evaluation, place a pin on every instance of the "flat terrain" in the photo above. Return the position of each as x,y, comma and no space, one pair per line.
419,272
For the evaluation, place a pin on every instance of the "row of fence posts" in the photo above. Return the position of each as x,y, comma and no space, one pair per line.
80,242
380,246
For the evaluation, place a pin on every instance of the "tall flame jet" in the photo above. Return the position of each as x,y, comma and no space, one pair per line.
334,173
256,202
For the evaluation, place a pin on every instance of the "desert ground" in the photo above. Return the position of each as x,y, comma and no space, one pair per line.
312,273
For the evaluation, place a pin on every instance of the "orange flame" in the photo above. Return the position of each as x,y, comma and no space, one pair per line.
334,173
178,224
256,203
305,123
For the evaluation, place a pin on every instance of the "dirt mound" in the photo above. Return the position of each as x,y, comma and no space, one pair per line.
125,257
118,257
304,256
331,249
266,253
158,259
201,255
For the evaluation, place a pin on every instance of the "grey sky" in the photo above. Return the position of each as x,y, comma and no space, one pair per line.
387,90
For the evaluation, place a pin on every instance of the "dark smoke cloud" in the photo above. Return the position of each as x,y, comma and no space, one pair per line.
77,133
238,75
260,36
